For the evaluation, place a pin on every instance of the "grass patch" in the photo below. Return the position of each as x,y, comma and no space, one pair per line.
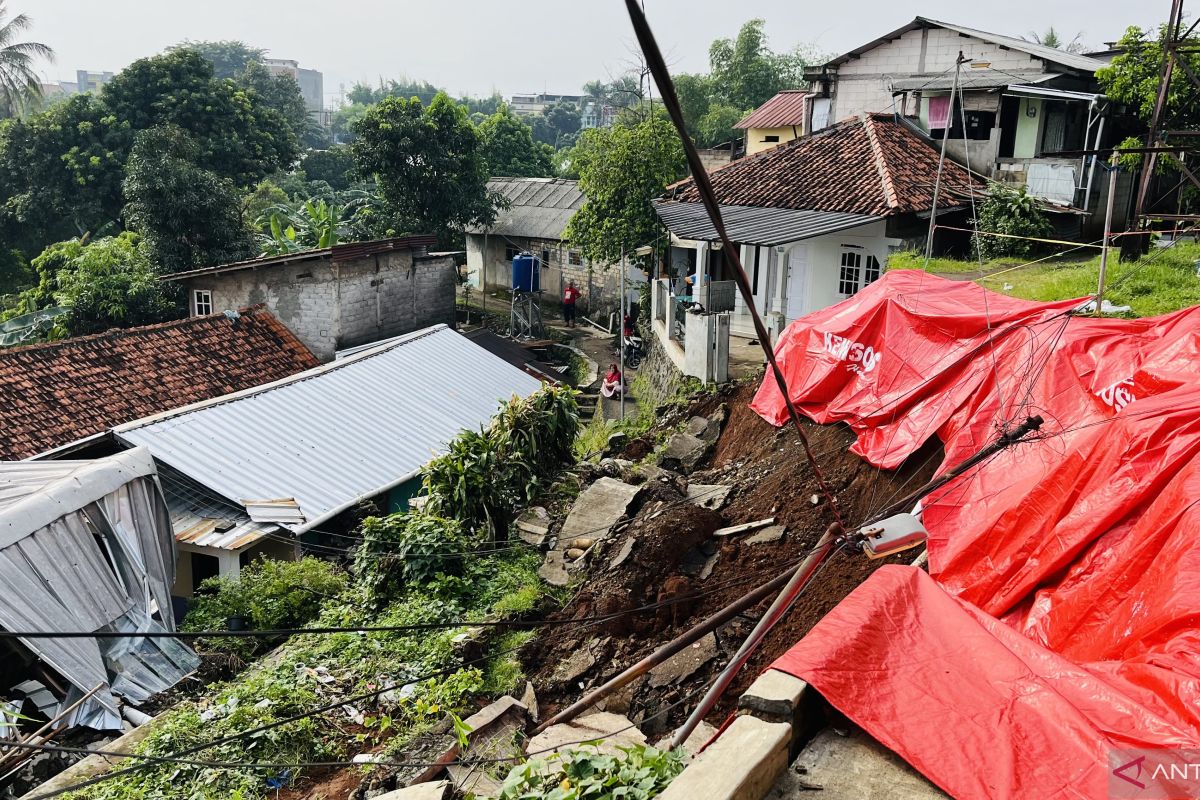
504,674
1163,281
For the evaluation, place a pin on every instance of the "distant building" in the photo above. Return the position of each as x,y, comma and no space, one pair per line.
596,115
86,81
336,297
312,82
525,105
776,121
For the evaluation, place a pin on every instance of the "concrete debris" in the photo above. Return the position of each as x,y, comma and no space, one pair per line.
708,495
435,790
576,666
623,553
704,429
767,535
855,766
620,701
709,564
614,731
685,663
494,733
598,508
495,714
683,452
533,526
745,527
554,569
616,443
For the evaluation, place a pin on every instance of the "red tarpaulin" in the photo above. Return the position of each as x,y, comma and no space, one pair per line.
1061,614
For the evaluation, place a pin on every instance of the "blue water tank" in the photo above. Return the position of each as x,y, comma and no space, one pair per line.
526,273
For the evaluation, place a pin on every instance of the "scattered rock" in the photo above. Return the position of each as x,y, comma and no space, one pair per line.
598,508
616,443
533,526
683,452
574,554
554,569
684,664
530,701
620,701
575,666
708,495
615,730
771,534
435,790
583,543
709,564
704,429
623,553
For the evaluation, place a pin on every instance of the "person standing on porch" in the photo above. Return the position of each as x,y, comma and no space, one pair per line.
570,295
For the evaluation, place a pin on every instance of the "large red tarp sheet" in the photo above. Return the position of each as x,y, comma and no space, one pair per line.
1061,614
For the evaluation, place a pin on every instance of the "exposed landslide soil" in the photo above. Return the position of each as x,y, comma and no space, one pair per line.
674,555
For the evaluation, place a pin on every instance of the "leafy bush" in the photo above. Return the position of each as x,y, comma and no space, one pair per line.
1011,212
270,594
406,548
485,474
585,774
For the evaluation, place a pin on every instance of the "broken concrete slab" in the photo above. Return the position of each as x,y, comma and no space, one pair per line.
774,696
613,730
708,495
709,565
533,526
856,766
507,705
495,731
683,452
685,663
434,790
742,764
575,666
597,509
695,740
704,429
767,535
554,569
530,701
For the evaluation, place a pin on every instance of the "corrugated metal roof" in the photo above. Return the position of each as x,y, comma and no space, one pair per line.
971,79
538,208
340,252
201,518
339,433
782,110
755,225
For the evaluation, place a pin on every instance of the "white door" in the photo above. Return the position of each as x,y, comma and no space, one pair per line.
797,282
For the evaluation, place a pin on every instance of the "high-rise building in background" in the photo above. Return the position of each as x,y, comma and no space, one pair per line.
312,82
86,81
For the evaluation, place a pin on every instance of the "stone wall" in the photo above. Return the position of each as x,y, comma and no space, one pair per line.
329,307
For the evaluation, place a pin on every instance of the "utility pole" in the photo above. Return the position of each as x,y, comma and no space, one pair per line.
937,183
1108,214
621,335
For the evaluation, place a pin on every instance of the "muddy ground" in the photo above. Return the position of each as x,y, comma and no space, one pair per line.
673,543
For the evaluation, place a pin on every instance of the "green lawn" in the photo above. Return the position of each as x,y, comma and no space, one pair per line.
1163,281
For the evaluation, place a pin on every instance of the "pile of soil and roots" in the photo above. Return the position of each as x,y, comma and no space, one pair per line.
770,477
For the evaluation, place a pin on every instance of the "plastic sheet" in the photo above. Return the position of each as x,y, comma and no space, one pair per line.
1059,619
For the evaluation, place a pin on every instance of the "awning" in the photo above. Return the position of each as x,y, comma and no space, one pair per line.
754,225
1045,91
969,79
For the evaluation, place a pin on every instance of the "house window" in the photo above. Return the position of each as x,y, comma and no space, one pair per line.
770,139
574,258
511,252
202,302
871,273
545,255
851,274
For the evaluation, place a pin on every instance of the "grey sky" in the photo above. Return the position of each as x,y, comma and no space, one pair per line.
473,46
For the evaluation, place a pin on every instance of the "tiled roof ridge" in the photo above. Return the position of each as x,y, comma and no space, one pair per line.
890,197
257,311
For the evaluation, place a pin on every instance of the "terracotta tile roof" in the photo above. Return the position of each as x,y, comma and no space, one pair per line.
868,165
782,110
57,393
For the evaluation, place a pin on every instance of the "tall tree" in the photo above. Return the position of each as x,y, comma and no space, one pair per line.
621,170
556,122
229,57
510,150
333,166
188,216
745,72
429,164
19,84
240,135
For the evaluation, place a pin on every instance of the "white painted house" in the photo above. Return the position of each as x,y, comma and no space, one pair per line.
814,220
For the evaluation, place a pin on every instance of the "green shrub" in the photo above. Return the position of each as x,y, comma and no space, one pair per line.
1012,212
485,474
585,774
406,548
270,594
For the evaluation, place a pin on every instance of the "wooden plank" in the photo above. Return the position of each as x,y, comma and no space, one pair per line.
745,527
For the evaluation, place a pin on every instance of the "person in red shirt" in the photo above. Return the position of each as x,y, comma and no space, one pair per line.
570,295
612,382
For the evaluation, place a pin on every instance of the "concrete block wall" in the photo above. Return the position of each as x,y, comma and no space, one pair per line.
491,263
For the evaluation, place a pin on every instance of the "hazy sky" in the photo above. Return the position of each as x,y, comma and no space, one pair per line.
513,46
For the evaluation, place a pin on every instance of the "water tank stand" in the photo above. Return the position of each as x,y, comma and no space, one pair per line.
525,318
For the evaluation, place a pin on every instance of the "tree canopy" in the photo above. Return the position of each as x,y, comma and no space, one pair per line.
621,170
189,216
510,150
20,86
429,163
229,57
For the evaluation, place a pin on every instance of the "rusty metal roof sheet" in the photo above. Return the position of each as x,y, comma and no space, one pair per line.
781,111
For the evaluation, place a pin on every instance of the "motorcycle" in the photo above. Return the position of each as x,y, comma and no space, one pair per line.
634,350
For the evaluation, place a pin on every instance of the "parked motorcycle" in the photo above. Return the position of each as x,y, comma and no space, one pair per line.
634,350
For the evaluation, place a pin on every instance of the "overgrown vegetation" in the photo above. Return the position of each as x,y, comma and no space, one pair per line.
408,549
485,474
1011,212
639,773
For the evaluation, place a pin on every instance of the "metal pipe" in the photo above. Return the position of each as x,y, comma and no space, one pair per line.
686,639
1108,214
1087,194
787,596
